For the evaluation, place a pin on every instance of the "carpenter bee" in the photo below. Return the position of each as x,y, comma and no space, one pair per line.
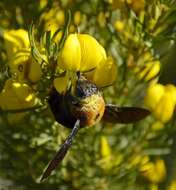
84,106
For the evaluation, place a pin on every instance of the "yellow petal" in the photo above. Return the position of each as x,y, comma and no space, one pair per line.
61,83
16,95
105,74
164,108
153,95
172,89
92,53
70,55
24,67
15,40
18,64
34,71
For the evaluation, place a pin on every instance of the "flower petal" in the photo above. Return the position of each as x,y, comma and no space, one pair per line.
70,55
105,74
15,40
92,53
61,83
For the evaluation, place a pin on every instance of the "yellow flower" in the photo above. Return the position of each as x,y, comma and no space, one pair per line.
106,66
165,108
53,19
92,53
153,95
18,64
15,40
24,67
16,95
161,100
154,171
172,89
81,52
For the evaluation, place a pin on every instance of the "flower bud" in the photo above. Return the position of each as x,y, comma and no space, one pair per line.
150,71
105,148
119,26
161,100
77,18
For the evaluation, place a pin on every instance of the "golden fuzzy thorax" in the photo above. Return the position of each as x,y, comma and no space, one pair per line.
91,110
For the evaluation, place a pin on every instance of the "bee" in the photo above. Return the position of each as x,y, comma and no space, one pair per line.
84,106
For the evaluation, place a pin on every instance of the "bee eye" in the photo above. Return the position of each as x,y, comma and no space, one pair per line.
20,68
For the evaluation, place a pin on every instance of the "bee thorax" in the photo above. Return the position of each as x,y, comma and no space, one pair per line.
90,110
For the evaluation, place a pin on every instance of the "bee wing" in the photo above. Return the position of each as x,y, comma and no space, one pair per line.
61,152
115,114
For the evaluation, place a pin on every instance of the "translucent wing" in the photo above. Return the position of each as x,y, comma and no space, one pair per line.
115,114
61,152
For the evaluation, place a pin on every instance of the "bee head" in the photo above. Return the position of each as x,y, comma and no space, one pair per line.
84,88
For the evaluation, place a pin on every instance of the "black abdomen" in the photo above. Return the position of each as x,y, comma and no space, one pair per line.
59,105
